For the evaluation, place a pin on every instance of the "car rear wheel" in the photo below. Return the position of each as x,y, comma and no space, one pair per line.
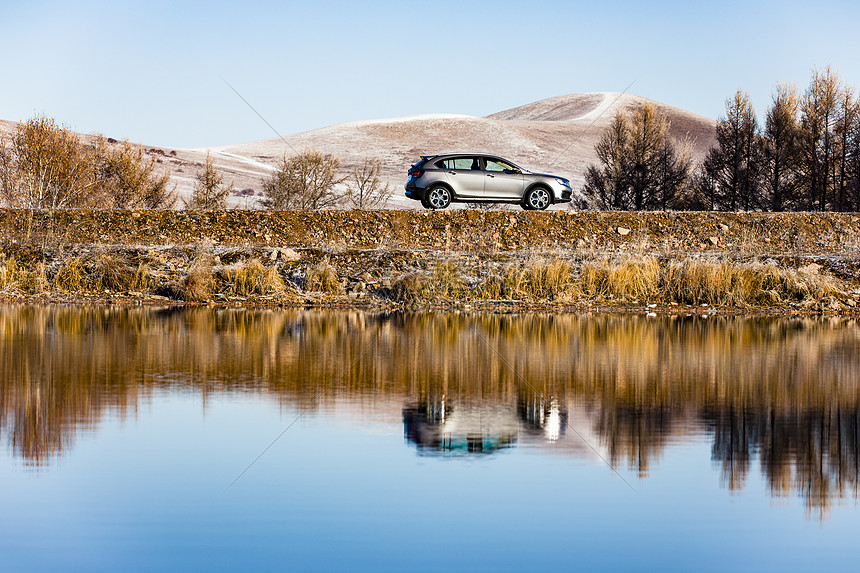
537,198
438,197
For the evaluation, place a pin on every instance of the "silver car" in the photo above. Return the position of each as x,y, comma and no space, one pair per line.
437,180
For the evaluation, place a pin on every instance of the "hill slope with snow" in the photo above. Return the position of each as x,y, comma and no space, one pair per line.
555,135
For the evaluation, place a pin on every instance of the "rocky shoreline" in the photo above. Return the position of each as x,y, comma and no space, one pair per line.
563,261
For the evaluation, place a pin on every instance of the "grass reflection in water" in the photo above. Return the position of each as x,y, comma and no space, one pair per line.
783,392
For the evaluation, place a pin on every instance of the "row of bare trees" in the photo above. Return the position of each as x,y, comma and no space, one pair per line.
46,166
806,156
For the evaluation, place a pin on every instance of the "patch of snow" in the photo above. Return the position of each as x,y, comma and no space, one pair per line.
609,98
408,118
246,160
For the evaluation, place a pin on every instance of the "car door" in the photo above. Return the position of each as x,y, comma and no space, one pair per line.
502,180
466,176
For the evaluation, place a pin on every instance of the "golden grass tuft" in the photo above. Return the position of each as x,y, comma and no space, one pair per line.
108,272
724,283
442,283
199,283
411,288
446,282
253,278
625,279
712,282
493,287
72,276
323,277
546,280
35,281
538,280
10,272
144,279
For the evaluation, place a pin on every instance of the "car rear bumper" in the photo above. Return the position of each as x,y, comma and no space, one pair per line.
413,192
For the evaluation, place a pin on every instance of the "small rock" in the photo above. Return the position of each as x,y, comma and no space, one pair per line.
811,268
580,243
290,255
273,256
723,227
622,231
714,240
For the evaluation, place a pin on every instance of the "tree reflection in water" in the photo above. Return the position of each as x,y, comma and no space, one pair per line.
781,392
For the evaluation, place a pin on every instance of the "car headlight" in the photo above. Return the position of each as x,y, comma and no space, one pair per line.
563,182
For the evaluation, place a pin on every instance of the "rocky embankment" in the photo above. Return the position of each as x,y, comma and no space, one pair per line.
725,262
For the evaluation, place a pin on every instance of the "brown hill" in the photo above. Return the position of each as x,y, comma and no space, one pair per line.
555,135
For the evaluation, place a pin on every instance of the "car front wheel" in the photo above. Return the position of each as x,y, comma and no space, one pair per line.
438,197
537,199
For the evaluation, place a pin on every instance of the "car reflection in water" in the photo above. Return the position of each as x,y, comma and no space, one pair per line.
439,428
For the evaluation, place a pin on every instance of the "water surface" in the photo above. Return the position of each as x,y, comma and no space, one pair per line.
426,441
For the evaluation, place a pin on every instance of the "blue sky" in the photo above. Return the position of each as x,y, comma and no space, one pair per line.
152,71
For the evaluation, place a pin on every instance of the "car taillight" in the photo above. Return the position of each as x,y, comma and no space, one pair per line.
416,174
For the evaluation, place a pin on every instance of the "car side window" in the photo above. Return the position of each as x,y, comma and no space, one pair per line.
499,166
463,163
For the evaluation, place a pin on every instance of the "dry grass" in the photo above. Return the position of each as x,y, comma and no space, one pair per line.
108,272
323,277
626,279
144,279
253,278
538,280
725,283
35,281
411,288
199,283
10,272
72,276
442,283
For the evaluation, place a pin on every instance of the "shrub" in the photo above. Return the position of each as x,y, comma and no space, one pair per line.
305,181
252,278
209,192
128,179
323,277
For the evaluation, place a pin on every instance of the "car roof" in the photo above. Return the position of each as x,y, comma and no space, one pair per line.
475,154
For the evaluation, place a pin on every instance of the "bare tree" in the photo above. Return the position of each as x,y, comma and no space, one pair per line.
305,181
819,111
45,166
845,130
641,166
210,192
780,140
365,190
734,165
128,180
607,186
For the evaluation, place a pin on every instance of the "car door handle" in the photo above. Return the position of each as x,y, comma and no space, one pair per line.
488,175
452,173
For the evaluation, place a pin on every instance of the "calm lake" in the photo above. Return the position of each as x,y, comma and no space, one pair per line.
220,439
